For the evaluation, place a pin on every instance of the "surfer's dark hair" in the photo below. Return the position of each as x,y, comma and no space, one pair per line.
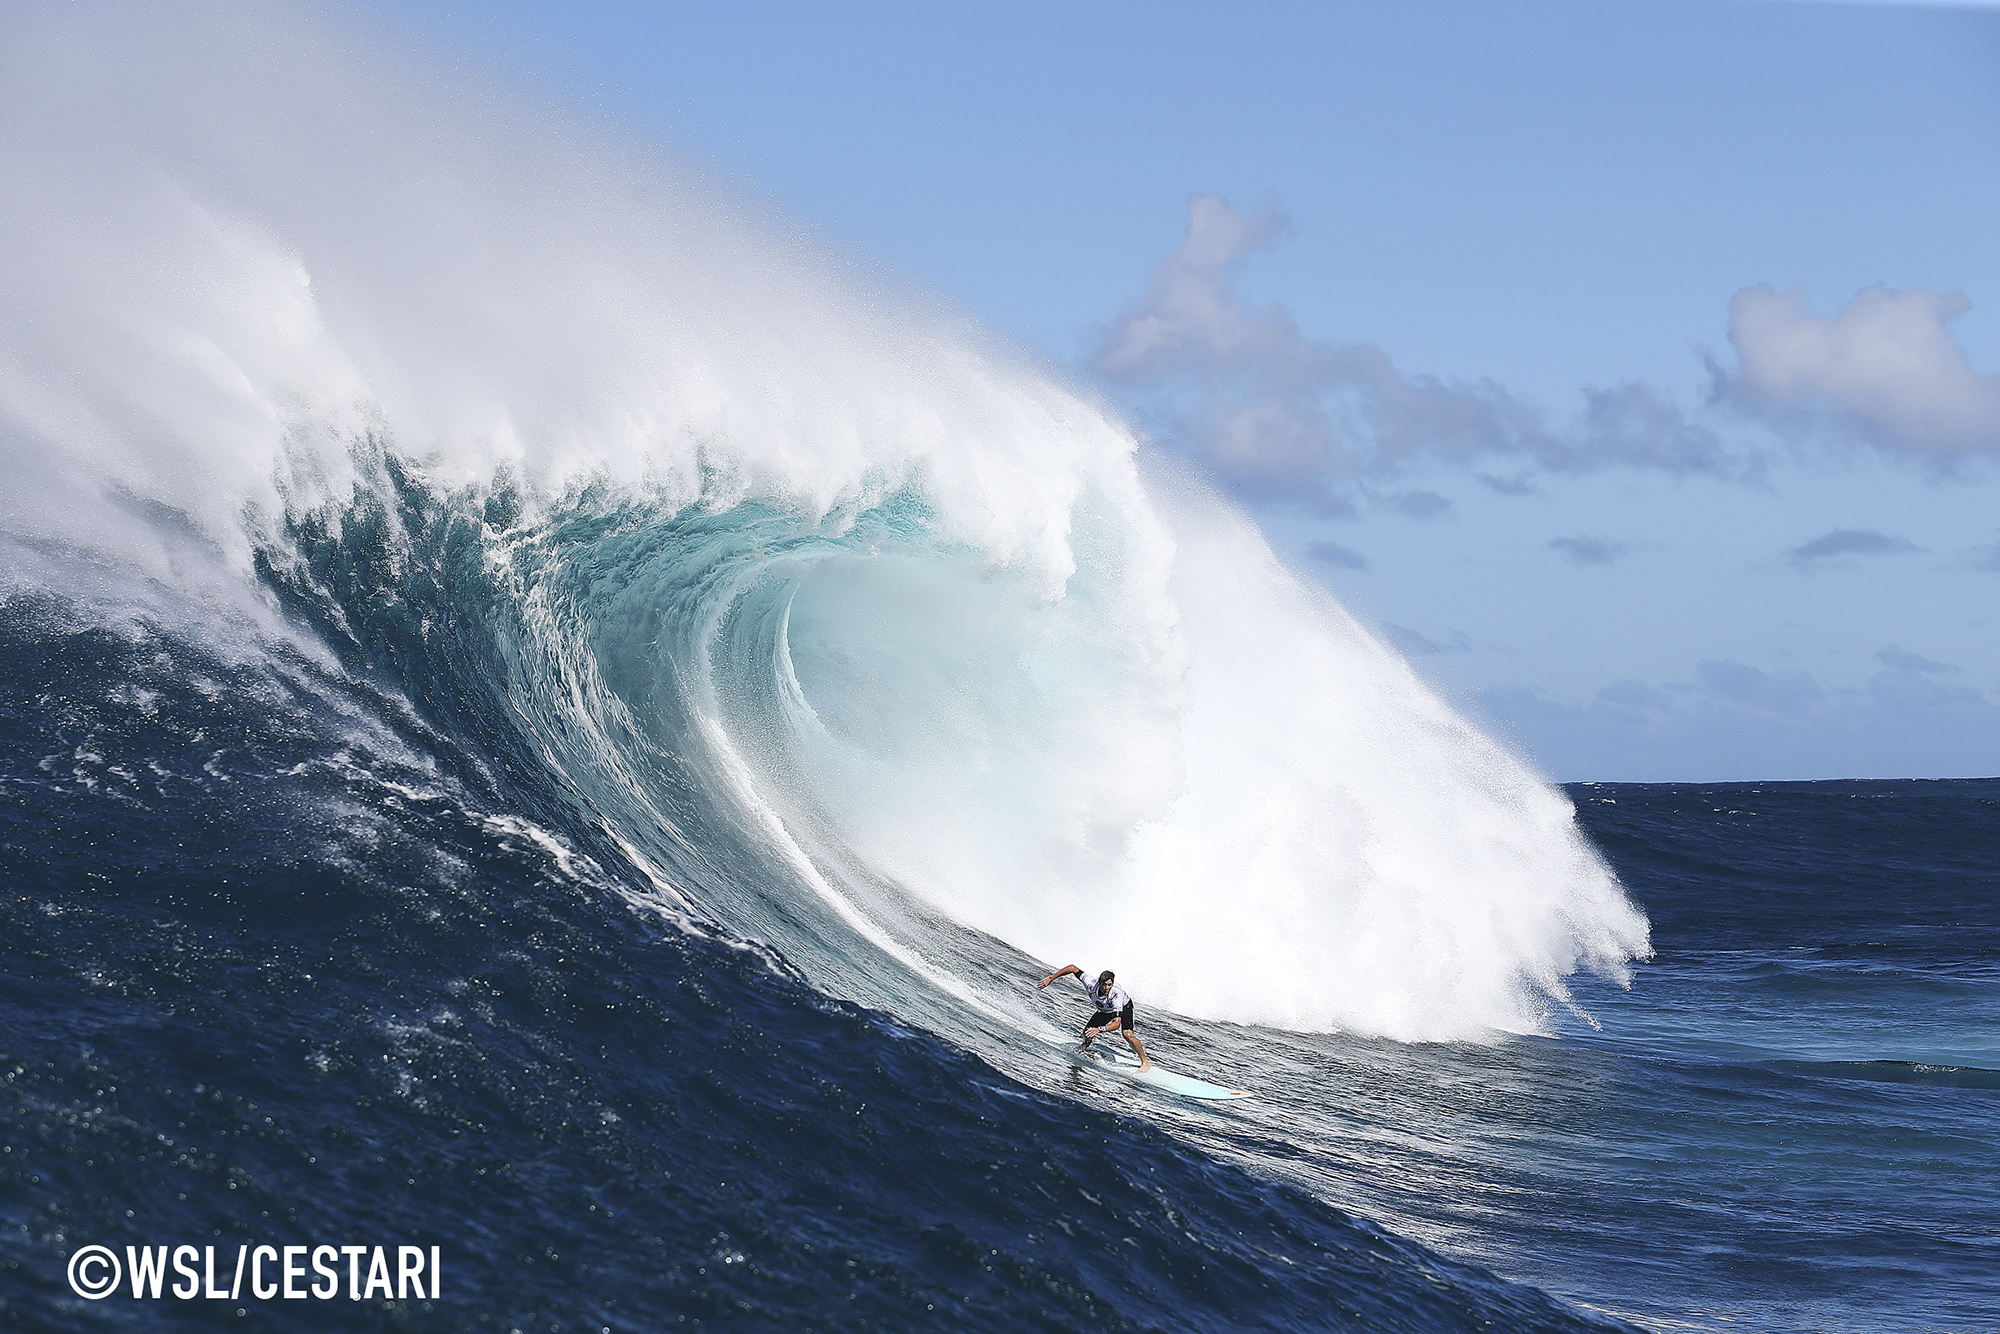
1105,976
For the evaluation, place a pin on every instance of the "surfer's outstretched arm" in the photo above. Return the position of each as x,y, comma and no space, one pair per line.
1063,971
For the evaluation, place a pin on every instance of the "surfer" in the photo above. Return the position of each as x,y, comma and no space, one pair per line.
1111,1009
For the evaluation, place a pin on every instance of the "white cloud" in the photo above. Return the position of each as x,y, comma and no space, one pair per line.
1332,553
1589,550
1191,315
1849,542
1885,369
1756,689
1283,417
1414,504
1902,660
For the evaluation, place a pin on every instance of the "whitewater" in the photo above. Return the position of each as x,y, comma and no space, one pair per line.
624,700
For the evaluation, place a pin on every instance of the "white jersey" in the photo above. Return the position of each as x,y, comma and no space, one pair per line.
1110,1003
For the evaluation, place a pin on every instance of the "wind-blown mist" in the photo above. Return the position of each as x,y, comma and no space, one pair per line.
863,632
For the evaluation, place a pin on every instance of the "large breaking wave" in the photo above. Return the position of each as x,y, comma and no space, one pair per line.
865,635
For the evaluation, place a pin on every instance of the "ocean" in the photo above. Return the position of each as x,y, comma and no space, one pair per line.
550,729
300,949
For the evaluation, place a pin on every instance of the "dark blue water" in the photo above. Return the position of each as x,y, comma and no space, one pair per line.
306,941
1810,1067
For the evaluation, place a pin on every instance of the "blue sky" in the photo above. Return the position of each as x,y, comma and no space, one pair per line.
1627,362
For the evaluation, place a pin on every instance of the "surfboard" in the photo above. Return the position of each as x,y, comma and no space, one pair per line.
1167,1081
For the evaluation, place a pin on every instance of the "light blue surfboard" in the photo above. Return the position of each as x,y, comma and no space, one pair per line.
1124,1063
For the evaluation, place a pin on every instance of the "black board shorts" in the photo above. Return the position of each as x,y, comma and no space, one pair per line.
1103,1017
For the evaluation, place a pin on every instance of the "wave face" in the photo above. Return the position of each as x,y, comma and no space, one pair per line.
563,626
